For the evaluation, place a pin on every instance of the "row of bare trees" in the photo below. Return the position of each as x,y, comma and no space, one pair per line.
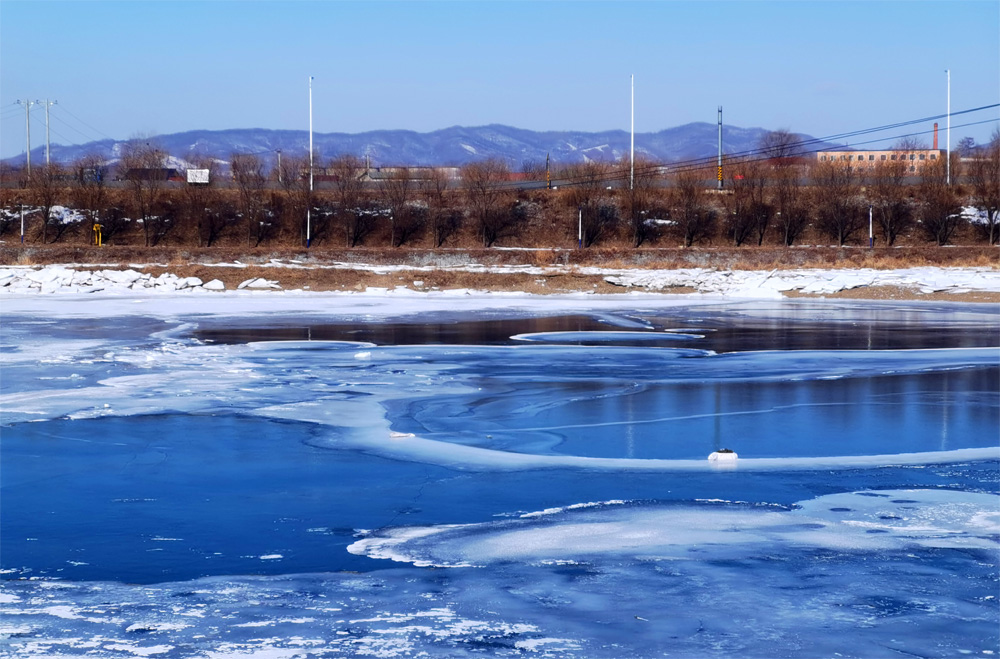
771,197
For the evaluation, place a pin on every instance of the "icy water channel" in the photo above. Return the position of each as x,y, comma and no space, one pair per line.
503,483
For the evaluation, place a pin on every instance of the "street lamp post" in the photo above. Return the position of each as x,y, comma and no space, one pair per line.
309,205
871,234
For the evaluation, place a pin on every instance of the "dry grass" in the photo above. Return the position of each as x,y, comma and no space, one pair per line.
565,274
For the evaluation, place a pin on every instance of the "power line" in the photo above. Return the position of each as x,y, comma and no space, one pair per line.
755,155
76,130
697,163
792,146
106,136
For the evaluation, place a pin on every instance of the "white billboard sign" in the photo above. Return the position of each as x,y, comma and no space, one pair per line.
197,176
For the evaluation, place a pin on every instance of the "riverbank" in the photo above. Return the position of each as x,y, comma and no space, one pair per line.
963,284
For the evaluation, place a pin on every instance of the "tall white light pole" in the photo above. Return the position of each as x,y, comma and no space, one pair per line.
47,104
27,129
631,156
948,132
871,228
309,205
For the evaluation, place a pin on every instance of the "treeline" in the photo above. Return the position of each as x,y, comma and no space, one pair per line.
769,197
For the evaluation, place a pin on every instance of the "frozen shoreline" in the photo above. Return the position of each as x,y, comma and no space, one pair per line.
16,281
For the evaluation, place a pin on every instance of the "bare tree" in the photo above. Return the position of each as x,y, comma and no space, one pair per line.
142,169
356,215
636,197
12,197
940,210
984,179
587,192
587,182
966,147
690,210
115,220
205,210
293,179
791,213
90,188
396,191
489,198
780,146
597,219
533,170
840,211
445,220
748,211
46,184
251,180
889,194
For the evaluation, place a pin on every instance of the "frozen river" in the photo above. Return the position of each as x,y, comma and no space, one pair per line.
359,476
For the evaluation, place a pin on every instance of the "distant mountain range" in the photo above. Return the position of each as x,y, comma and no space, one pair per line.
457,145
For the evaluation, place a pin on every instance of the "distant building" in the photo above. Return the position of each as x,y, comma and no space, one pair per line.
153,174
416,173
915,159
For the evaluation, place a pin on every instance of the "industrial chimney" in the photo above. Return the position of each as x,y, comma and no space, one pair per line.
935,136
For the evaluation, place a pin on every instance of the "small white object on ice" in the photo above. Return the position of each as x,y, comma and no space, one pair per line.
400,435
723,455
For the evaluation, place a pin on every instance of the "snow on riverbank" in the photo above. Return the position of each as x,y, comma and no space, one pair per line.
818,282
56,279
61,279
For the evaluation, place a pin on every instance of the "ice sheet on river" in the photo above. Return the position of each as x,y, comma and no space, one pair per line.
445,411
872,573
862,520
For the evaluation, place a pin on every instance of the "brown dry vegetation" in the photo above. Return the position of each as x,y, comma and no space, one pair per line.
322,269
751,258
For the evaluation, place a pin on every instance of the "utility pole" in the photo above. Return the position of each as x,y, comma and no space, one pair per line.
48,104
719,174
871,229
309,205
27,127
948,138
631,157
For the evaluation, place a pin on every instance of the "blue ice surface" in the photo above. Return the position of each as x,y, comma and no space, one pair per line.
137,528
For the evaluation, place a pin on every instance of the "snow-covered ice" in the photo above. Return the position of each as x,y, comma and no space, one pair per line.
281,474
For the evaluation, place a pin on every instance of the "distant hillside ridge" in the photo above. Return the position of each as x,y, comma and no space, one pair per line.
454,146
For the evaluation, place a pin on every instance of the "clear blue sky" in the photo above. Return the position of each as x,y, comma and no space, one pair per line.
120,69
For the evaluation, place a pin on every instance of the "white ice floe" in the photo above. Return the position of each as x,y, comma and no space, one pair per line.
866,520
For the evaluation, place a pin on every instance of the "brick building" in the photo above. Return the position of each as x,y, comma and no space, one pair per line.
915,159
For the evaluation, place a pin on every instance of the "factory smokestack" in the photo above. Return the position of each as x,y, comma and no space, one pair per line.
935,136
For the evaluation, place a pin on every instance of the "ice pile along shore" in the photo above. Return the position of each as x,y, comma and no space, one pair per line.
731,283
53,279
760,284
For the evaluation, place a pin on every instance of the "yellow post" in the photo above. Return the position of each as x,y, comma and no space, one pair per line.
97,234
